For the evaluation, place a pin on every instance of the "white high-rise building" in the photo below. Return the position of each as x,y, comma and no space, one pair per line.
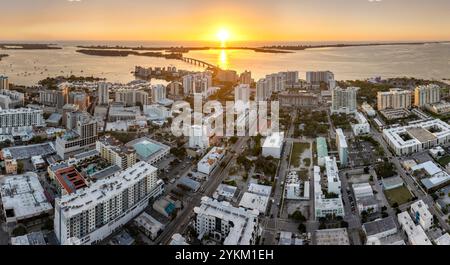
17,120
198,137
245,78
103,93
277,82
4,82
395,98
92,214
424,95
226,223
132,96
333,181
242,95
316,77
197,83
344,100
158,93
262,90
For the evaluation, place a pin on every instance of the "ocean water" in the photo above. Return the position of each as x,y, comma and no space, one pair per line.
429,61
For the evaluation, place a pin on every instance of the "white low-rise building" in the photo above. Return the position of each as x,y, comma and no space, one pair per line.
254,201
416,234
333,181
273,145
149,225
421,214
364,197
417,137
226,223
368,109
324,206
23,198
443,240
362,127
294,188
209,162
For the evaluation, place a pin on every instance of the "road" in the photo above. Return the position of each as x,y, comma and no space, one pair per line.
218,175
411,182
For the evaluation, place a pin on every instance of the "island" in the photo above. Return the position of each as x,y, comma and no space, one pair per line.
125,53
28,46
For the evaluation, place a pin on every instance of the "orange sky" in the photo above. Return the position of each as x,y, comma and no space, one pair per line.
246,20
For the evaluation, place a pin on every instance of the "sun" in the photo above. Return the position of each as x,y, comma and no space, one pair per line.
223,35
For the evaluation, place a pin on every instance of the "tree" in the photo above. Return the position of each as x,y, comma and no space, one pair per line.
301,228
20,167
233,139
371,178
298,216
19,231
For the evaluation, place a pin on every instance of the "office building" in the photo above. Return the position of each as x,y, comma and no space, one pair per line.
92,214
341,143
19,120
417,137
225,223
395,98
115,152
344,100
424,95
81,138
103,93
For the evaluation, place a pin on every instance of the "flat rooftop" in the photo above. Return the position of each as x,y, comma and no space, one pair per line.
147,148
23,196
338,236
70,179
379,226
421,134
28,151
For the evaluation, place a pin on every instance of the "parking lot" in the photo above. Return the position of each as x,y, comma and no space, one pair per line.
362,153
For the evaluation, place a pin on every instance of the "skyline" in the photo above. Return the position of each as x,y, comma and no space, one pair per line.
249,21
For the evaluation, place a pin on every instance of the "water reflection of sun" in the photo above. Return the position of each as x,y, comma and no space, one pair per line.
223,59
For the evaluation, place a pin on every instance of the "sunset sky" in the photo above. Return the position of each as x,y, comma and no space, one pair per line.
245,20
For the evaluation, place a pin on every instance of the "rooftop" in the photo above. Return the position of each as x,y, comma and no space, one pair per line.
322,149
23,196
146,148
379,226
338,236
70,179
254,201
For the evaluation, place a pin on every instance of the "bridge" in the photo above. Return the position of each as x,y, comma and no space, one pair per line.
198,62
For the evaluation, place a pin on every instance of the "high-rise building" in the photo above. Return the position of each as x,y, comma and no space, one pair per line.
91,214
224,222
103,93
10,99
80,99
4,82
158,93
395,98
132,96
245,78
344,100
55,98
82,137
242,93
17,120
315,78
197,83
174,88
424,95
342,147
262,90
115,152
